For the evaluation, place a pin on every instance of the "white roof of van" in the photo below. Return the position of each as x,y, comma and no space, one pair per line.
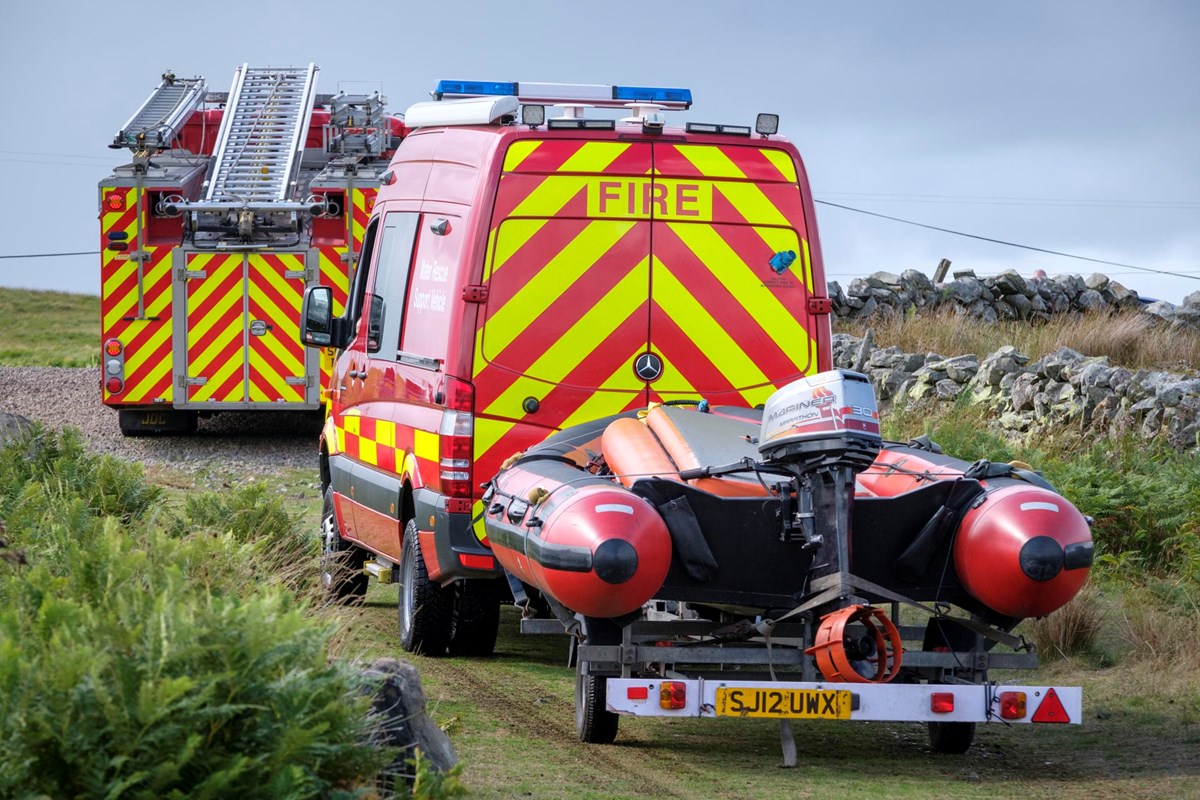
469,111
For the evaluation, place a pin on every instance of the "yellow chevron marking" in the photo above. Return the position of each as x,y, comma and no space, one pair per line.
584,337
692,317
566,267
119,275
218,378
752,204
155,375
490,431
426,444
518,151
612,395
550,196
808,272
260,368
516,234
740,281
594,157
203,361
673,380
477,515
710,160
782,161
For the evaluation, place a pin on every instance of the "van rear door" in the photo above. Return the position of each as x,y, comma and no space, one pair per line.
726,324
567,310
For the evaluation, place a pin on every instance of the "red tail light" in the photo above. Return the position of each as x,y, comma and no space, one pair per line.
114,201
113,347
456,438
941,702
672,695
114,385
1012,705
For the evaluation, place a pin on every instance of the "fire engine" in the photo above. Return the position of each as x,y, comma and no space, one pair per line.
231,205
587,361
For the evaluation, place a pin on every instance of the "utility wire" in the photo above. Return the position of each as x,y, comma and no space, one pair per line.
54,255
1011,244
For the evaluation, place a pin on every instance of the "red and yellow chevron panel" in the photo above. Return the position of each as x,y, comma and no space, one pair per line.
362,203
216,328
274,301
374,442
146,339
602,251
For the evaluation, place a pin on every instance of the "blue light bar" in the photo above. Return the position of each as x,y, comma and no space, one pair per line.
504,88
651,94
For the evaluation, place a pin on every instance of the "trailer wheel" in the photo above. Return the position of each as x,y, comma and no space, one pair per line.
342,575
424,607
594,723
951,738
475,620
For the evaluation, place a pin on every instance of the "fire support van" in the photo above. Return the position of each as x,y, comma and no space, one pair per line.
521,274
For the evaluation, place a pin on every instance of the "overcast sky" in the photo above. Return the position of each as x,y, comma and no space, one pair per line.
1068,125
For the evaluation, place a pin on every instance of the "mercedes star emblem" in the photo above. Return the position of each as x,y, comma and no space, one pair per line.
648,367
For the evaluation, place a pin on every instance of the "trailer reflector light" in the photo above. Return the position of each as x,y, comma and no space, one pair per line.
638,693
941,702
113,347
1012,705
1051,709
672,695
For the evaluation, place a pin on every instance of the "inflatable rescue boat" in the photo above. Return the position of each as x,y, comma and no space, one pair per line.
801,502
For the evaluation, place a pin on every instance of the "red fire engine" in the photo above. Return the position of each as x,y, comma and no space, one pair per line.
233,203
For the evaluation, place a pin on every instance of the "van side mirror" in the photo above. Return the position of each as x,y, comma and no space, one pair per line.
318,326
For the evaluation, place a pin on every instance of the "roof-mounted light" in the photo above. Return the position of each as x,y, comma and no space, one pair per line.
533,115
677,98
581,124
602,95
725,130
475,88
766,124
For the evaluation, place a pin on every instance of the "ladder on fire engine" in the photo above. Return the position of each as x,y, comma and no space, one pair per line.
156,124
262,134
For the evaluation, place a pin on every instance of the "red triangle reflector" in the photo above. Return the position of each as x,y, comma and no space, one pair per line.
1051,709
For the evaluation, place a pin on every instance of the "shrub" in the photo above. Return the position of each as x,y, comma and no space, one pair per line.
137,662
1072,629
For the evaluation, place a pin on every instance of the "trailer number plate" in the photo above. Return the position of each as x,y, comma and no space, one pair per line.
784,703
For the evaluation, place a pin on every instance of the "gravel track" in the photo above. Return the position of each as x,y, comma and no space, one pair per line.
61,397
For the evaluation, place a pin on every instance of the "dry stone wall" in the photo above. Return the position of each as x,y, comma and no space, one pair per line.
1065,388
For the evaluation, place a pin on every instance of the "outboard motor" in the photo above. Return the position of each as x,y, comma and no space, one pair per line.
823,429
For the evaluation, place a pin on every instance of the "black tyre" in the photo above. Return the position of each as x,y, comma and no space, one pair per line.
951,738
594,723
424,607
342,562
476,618
166,422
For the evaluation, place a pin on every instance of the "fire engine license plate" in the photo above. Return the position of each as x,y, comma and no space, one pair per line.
780,703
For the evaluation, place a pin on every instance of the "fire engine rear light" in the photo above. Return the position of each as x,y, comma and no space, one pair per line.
113,347
114,385
1012,705
114,201
672,695
941,702
638,693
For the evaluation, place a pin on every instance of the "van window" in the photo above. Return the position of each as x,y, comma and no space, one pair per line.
435,281
359,287
391,278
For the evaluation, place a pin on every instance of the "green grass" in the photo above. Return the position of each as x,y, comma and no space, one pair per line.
48,329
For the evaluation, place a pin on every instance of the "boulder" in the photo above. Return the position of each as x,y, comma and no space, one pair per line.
398,703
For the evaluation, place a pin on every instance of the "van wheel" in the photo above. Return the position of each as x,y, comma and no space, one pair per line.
476,617
951,738
425,608
342,576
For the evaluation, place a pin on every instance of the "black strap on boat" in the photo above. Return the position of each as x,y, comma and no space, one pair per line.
915,559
